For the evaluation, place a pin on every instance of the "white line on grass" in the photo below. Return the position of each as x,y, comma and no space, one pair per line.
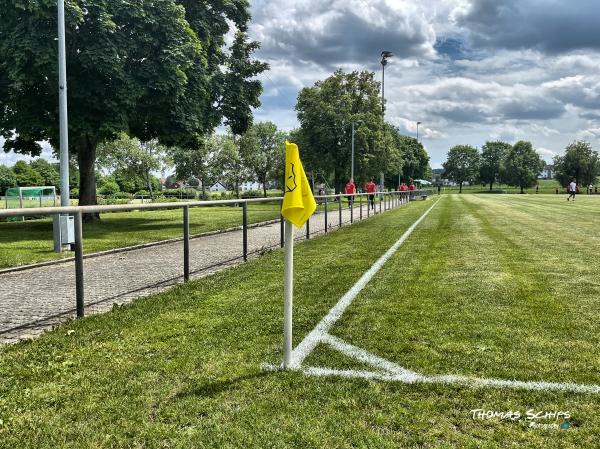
316,335
454,380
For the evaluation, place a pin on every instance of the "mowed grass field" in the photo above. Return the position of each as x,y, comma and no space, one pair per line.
489,286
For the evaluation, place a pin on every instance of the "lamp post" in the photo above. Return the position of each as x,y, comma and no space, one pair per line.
354,122
62,95
385,55
418,123
62,223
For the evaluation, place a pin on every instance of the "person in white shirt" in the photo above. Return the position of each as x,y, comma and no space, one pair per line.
572,190
590,189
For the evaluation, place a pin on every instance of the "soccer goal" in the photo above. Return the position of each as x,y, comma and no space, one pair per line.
36,196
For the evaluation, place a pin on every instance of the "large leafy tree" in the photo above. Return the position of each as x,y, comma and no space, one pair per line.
230,163
580,161
462,164
157,70
26,175
133,159
522,165
326,112
7,178
47,171
416,159
201,162
261,149
493,155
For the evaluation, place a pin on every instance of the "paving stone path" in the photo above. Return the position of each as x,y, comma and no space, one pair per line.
36,299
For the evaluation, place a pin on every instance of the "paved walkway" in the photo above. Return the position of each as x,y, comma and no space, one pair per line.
34,300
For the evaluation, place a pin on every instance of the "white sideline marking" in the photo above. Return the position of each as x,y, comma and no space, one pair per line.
312,339
453,380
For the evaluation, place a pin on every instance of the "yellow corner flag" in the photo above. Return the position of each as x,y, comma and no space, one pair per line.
298,201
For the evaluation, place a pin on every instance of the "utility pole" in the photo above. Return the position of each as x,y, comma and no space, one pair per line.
63,224
385,55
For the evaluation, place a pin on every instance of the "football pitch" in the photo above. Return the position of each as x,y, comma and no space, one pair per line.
468,321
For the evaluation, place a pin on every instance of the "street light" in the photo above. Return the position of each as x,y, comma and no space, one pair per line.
354,122
61,223
385,55
418,123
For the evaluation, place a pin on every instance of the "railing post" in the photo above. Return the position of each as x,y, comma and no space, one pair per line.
245,229
360,200
79,286
325,214
308,229
340,210
351,200
281,230
380,201
186,243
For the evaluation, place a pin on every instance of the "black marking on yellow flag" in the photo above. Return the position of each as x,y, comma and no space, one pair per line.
293,178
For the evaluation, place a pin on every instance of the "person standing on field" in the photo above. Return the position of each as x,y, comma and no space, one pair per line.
572,189
371,188
350,190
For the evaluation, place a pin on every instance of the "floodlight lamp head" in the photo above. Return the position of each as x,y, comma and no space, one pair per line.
386,54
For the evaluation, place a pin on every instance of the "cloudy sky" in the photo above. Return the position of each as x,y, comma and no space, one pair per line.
470,70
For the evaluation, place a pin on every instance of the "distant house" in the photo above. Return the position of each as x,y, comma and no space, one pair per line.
547,172
217,187
250,185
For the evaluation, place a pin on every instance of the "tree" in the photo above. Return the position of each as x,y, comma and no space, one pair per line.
27,176
261,149
133,159
522,165
415,157
157,70
200,162
7,178
230,164
326,112
462,164
492,160
580,161
47,171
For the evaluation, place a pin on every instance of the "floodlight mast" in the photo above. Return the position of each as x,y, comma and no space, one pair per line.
62,96
385,55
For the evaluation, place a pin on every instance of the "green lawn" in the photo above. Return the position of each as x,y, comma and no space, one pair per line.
545,186
494,286
31,241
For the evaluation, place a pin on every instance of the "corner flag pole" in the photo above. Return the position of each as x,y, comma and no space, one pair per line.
288,293
297,207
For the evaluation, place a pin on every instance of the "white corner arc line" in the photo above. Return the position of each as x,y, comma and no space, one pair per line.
316,335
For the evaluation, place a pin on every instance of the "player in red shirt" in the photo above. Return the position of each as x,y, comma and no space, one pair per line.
371,188
350,190
411,187
403,187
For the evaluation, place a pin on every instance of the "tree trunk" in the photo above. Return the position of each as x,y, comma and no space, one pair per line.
264,183
491,184
203,189
460,188
522,189
86,159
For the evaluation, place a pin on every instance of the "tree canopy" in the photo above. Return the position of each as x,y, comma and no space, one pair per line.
580,162
493,155
156,70
462,164
522,165
262,151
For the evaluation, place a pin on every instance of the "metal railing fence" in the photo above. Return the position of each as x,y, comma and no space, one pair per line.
384,201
